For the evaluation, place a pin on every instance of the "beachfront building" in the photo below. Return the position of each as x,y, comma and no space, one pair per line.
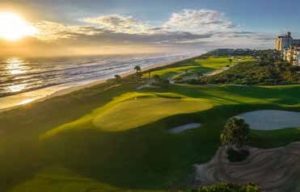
283,42
289,48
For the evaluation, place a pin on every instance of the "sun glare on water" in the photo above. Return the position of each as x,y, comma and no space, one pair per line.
13,27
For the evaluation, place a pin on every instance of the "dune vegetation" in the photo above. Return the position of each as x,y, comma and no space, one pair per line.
113,137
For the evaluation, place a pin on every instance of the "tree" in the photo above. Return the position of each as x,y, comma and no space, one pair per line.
118,78
138,73
235,133
137,69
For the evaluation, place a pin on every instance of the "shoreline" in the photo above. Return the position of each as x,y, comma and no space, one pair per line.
40,95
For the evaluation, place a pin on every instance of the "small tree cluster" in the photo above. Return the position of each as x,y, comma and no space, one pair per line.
235,133
158,81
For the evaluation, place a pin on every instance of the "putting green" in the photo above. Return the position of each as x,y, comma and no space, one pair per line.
139,112
133,110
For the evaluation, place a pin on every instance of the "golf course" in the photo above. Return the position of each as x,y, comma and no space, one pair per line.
115,137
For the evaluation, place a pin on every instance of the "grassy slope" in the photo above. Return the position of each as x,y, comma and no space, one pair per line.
80,156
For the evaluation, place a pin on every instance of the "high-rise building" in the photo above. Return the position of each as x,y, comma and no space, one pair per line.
283,42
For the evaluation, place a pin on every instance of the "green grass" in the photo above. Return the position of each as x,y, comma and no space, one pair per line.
133,110
198,65
115,138
61,179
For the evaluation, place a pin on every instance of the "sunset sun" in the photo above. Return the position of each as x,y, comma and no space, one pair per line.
13,27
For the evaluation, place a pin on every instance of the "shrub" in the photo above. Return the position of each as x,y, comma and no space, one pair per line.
235,133
226,187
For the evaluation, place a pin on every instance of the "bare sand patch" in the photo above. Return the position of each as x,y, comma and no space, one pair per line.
274,170
271,119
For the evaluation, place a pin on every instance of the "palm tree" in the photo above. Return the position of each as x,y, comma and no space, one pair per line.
118,78
138,74
137,68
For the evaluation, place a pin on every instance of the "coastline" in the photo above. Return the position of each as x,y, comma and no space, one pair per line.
32,97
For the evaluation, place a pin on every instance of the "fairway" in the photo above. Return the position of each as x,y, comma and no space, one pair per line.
199,65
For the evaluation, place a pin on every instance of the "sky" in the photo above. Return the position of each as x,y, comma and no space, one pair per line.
125,26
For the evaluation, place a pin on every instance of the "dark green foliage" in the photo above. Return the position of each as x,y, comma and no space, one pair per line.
137,68
156,78
269,69
253,73
232,52
223,187
161,82
235,132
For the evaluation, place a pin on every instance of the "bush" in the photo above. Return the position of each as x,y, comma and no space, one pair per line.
235,133
264,71
225,187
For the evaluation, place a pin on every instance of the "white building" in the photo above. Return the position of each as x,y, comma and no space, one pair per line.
289,47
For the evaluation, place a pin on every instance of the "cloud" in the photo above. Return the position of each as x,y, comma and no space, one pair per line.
119,24
199,21
186,28
51,31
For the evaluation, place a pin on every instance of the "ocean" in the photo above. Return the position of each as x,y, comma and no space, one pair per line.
23,75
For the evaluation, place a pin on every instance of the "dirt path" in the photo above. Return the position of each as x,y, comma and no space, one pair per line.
274,170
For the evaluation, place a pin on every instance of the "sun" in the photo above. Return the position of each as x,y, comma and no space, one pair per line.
13,27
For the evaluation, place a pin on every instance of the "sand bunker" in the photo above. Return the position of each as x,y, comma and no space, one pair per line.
274,170
271,119
185,127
